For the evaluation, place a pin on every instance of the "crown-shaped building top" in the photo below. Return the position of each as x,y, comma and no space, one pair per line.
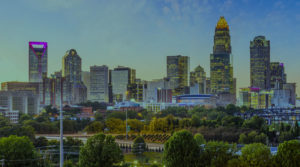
222,24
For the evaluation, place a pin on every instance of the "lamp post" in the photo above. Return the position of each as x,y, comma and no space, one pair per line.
61,136
126,127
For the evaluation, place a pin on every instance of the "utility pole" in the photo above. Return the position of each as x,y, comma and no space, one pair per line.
2,162
126,127
61,136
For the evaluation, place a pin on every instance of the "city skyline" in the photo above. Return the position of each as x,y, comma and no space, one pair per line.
107,44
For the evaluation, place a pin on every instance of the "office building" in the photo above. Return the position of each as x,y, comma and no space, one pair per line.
75,91
152,88
121,77
198,81
137,91
25,102
221,70
85,75
291,88
277,74
53,89
38,61
178,73
21,86
260,62
99,80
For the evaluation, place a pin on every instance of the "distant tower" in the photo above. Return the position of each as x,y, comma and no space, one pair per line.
38,60
99,80
120,78
221,70
198,79
178,71
277,75
75,91
260,62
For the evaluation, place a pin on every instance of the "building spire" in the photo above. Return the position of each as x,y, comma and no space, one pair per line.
222,24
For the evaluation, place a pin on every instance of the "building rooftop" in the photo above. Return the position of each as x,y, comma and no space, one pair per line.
222,24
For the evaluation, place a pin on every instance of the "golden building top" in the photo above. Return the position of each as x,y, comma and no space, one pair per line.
222,24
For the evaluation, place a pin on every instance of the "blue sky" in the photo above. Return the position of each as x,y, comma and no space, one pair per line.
141,33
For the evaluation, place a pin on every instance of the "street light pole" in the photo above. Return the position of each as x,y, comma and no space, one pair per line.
61,136
126,127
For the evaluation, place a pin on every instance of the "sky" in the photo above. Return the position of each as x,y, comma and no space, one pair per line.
141,33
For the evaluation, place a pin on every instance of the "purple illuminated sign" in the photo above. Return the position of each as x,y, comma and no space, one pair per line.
44,44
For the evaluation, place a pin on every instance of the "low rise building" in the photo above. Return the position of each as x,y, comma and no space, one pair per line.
26,102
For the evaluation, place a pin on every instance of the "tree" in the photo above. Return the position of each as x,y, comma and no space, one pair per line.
285,136
68,163
196,122
135,125
253,137
94,127
41,142
181,150
100,150
115,125
18,151
232,121
255,123
218,154
288,154
199,139
139,145
256,154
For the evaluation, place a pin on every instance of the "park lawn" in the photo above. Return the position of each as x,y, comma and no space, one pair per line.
147,159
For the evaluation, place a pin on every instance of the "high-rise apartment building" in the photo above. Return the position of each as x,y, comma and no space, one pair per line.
38,61
99,80
178,68
277,74
221,70
260,62
75,91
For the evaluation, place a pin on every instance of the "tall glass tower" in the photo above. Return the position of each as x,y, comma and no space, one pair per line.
260,62
75,91
178,70
38,60
221,70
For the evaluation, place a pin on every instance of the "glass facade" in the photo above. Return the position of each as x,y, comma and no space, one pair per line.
277,74
99,79
38,59
178,73
74,90
221,70
260,63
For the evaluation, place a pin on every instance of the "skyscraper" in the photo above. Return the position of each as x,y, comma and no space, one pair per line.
76,91
178,68
99,79
260,62
121,77
38,61
198,80
85,76
221,70
277,74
